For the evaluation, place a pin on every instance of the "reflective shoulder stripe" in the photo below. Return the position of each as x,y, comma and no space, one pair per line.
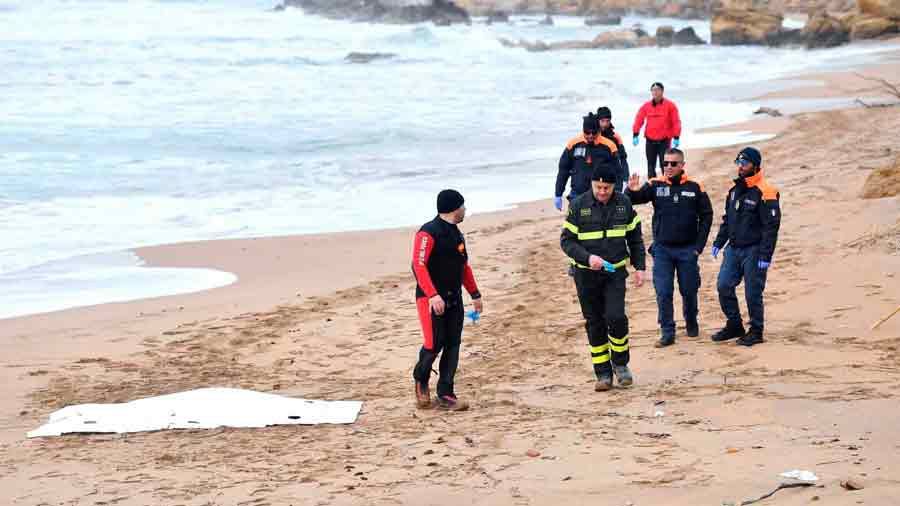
570,227
634,223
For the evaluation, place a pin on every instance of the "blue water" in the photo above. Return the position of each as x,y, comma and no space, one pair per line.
126,124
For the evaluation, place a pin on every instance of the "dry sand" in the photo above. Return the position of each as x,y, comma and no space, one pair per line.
333,317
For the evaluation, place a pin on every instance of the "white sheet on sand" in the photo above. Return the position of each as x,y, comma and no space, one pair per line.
206,408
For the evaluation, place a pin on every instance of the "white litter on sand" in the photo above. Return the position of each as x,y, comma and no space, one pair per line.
205,408
797,474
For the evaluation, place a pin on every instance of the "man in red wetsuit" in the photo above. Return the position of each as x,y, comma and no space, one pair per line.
663,127
441,267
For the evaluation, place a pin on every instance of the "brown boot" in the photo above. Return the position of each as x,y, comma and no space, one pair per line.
451,403
603,383
423,396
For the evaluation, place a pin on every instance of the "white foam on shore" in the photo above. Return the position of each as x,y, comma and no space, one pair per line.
98,279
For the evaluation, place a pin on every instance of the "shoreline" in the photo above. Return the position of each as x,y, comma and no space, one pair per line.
352,333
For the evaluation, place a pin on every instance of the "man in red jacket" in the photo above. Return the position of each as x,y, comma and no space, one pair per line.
663,126
440,263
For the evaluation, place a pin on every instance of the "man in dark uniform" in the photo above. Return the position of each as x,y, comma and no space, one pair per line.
441,266
682,217
608,131
601,233
579,158
750,229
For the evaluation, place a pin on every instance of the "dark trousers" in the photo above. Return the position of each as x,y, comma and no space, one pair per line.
602,299
442,335
669,261
656,150
741,264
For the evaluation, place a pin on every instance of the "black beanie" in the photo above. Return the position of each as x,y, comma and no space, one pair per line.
590,123
751,154
604,113
603,173
449,201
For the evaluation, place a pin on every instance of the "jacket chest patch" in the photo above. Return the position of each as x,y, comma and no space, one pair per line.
620,214
750,202
586,211
663,191
688,194
579,151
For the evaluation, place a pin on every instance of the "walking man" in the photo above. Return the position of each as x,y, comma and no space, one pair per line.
750,231
663,127
441,266
579,158
682,218
601,233
607,130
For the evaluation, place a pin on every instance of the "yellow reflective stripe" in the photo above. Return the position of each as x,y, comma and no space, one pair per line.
617,265
600,349
587,236
621,264
616,233
619,349
614,340
602,359
570,227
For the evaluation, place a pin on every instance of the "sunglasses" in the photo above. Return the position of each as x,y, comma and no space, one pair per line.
742,162
590,132
668,163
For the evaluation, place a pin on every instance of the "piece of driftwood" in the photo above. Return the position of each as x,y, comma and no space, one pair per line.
886,318
779,487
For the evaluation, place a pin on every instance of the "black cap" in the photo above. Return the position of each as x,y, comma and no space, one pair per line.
449,201
604,113
603,173
751,154
590,123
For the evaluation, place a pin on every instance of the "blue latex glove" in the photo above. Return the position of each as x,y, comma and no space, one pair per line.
715,252
763,265
608,267
474,316
636,140
557,201
675,143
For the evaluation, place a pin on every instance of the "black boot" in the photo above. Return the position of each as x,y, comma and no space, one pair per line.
755,336
731,330
692,328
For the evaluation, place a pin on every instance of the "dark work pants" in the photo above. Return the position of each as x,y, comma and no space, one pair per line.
669,261
602,298
656,150
740,264
442,335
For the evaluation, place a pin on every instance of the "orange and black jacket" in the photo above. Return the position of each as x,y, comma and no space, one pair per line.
440,262
611,231
578,161
682,212
622,170
752,216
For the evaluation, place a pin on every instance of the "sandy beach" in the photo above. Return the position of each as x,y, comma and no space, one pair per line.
332,317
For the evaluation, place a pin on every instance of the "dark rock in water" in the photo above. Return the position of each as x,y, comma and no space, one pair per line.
687,37
786,37
665,36
367,57
497,17
279,8
768,110
440,12
547,21
638,29
603,20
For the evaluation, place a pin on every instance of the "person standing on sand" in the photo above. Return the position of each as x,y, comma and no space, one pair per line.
663,127
579,158
608,131
440,263
750,229
599,235
682,218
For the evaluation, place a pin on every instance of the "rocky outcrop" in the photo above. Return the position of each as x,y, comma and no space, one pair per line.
441,12
617,39
889,9
867,27
688,37
733,27
665,36
497,17
823,30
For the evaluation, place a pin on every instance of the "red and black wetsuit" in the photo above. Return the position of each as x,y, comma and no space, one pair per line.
441,266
